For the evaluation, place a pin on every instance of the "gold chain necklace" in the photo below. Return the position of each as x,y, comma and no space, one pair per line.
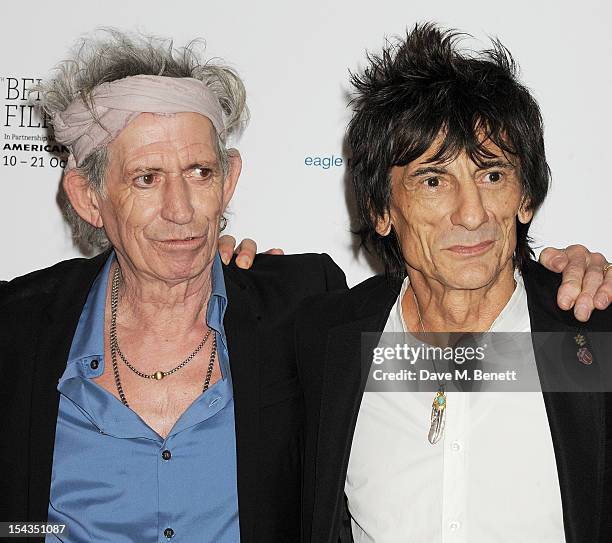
158,375
438,406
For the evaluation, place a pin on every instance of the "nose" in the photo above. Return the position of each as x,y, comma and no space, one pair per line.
469,211
176,205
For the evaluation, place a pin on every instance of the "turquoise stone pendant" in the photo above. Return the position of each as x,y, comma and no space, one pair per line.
438,416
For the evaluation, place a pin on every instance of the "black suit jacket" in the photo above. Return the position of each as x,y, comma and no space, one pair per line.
333,377
39,313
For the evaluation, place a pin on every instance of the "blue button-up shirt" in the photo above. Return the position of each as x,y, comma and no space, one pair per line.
114,478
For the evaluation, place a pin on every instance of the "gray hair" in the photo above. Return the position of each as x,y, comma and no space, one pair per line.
109,55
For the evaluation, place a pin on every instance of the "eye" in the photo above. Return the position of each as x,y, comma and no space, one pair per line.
432,182
145,180
203,172
493,177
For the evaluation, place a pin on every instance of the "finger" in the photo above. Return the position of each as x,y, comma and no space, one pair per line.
583,307
274,251
246,253
554,259
603,296
591,281
597,259
578,253
226,248
571,284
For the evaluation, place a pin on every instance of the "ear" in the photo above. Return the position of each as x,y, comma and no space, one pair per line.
383,224
525,214
83,197
231,179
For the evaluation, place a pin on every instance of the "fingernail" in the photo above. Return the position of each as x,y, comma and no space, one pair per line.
566,302
243,261
601,300
582,312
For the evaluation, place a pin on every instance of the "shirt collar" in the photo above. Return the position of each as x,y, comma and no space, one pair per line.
514,317
88,341
218,299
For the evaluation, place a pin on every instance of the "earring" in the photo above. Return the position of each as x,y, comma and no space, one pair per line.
223,223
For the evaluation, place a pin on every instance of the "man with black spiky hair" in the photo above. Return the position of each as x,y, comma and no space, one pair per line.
448,166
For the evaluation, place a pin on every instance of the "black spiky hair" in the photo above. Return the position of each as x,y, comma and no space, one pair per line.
422,86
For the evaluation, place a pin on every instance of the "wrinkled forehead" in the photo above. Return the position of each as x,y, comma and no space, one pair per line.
159,127
165,134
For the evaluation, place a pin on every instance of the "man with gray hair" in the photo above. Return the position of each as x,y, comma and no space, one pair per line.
151,392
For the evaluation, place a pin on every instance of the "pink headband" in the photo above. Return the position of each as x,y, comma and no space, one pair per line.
84,128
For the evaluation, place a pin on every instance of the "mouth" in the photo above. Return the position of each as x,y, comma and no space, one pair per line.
186,242
470,250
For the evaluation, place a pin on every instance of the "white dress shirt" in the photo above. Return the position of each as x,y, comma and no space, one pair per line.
492,478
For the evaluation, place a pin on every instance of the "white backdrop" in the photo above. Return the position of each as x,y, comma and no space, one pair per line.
294,58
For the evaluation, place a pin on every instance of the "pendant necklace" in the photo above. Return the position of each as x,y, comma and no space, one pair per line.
438,406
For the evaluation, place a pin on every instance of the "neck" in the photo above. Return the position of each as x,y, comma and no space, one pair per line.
455,310
160,307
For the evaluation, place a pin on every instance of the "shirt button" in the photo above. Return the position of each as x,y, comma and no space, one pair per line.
94,364
455,446
169,532
166,455
454,525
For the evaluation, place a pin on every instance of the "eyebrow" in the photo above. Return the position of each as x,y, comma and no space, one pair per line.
204,164
143,169
427,170
146,169
488,164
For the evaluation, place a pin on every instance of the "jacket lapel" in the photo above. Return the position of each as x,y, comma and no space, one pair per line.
577,420
240,327
58,324
344,379
577,426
